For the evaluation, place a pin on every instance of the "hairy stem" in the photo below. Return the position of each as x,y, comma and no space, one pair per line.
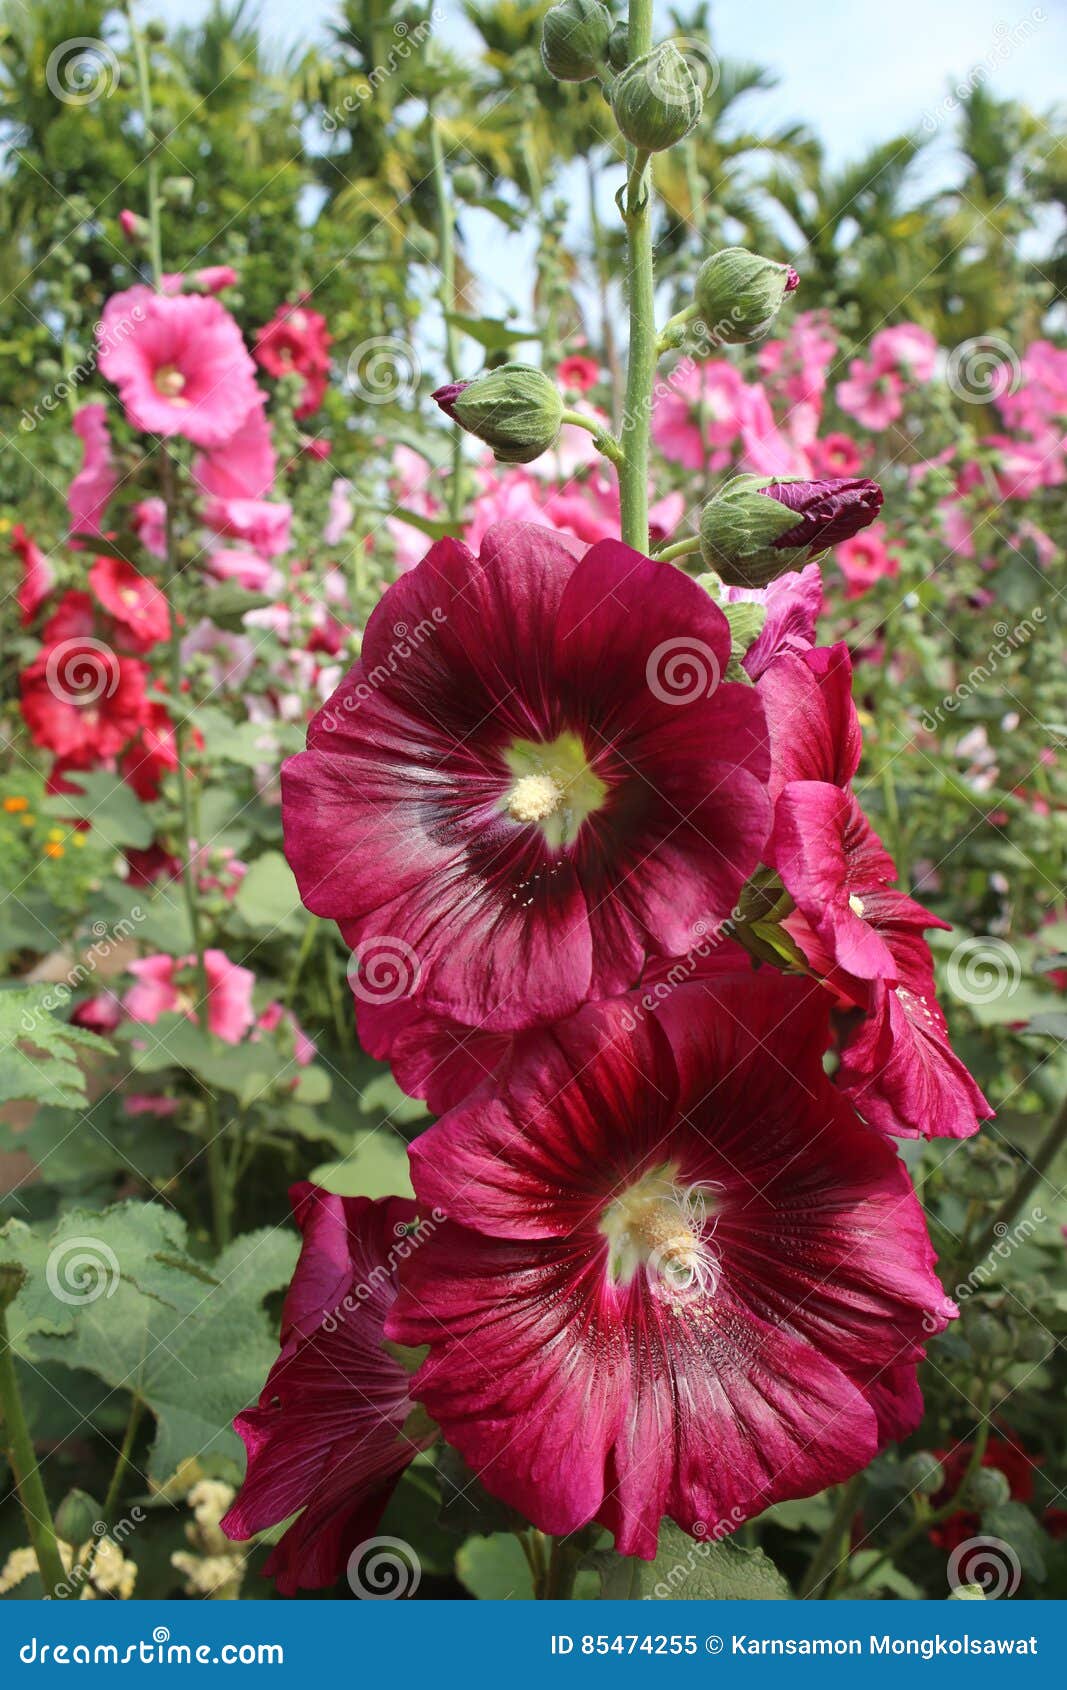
447,254
28,1482
1036,1171
640,288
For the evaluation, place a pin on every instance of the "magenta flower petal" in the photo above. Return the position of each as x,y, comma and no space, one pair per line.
831,862
828,511
327,1437
811,718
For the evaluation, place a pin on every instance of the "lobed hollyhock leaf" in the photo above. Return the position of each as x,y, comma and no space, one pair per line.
115,811
39,1054
115,1293
687,1569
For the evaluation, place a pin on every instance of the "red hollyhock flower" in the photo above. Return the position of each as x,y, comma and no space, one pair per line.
328,1436
679,1277
81,700
296,338
519,788
134,602
155,752
38,578
73,617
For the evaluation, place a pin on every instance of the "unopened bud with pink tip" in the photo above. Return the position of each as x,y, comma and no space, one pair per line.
755,529
738,294
515,409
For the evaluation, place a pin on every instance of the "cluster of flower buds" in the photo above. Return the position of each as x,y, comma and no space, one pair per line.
656,99
755,528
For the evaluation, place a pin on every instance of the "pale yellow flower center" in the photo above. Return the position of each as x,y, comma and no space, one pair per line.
855,904
534,797
663,1229
170,382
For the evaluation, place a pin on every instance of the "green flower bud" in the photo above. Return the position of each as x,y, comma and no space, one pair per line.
967,1593
575,39
657,99
619,47
986,1335
923,1472
738,529
987,1488
515,409
468,181
76,1516
738,294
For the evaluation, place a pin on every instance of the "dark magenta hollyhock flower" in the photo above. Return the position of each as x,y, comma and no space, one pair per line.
898,1067
328,1435
856,932
827,511
793,603
533,779
679,1276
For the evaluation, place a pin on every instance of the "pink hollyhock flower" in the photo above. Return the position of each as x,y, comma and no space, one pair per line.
908,349
260,524
333,1429
38,576
166,985
248,569
793,603
132,226
276,1015
578,372
155,753
735,1270
214,278
95,482
243,467
863,560
837,455
179,364
147,1103
1044,545
230,657
543,785
697,414
82,700
134,603
340,512
798,366
870,395
769,450
296,338
148,519
100,1014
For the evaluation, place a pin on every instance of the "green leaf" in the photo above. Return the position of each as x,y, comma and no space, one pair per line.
376,1166
1013,1524
267,896
491,332
38,1054
466,1507
112,807
228,604
690,1569
495,1569
746,624
116,1294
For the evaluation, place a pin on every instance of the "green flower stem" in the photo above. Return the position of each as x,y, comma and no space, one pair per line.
640,288
216,1162
563,1561
1035,1172
828,1549
28,1482
602,439
679,548
447,256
